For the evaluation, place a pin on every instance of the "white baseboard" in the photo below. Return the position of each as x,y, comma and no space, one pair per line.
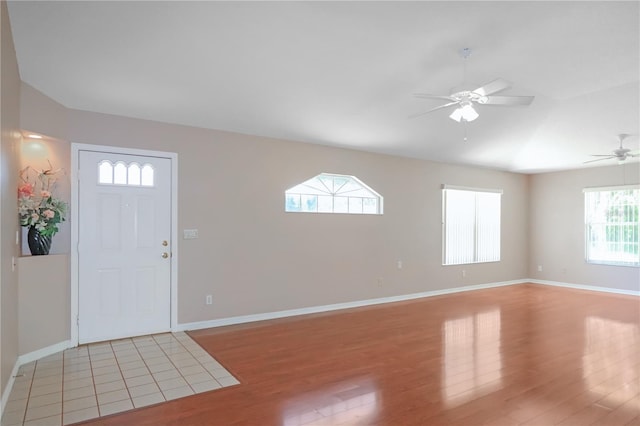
334,307
586,287
7,389
27,358
41,353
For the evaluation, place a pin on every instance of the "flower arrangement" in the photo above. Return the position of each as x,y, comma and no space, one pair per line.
37,206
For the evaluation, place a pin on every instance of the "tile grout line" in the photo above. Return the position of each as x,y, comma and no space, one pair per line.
142,357
176,367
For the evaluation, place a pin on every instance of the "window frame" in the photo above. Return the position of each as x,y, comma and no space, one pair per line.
334,195
588,225
446,187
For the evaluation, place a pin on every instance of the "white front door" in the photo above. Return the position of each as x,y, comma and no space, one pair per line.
124,247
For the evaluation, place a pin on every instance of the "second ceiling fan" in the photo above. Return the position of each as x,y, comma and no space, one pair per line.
465,99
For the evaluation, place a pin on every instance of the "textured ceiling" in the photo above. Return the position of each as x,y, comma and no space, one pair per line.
344,73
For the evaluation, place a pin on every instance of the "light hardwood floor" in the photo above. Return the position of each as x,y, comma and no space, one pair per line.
517,355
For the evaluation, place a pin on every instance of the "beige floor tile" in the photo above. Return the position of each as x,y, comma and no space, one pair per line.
99,371
12,417
172,383
116,407
143,401
206,386
80,415
110,386
76,393
106,378
157,368
77,383
139,380
44,411
138,391
153,368
43,390
193,369
176,393
166,375
135,372
113,396
47,421
49,380
198,378
228,381
42,400
80,403
132,364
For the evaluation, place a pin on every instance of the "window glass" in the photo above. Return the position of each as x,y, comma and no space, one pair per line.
471,226
329,193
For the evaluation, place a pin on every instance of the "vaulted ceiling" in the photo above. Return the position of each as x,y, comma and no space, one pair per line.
344,73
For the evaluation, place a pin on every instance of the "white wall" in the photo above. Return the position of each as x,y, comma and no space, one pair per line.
557,227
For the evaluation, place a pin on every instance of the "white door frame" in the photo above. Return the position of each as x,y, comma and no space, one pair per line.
75,156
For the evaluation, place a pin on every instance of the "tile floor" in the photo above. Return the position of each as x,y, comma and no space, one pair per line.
109,377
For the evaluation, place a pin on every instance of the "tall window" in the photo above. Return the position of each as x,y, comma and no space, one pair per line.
611,225
471,225
329,193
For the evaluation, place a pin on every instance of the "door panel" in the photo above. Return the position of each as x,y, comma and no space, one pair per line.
124,282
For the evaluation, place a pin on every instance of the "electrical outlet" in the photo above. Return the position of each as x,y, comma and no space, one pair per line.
464,273
209,299
399,264
539,268
380,281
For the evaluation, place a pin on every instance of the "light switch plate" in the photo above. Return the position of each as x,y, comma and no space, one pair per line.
190,234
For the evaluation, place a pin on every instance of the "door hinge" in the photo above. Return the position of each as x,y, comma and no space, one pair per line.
78,320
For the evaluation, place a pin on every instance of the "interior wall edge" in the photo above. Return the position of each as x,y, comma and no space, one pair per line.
587,287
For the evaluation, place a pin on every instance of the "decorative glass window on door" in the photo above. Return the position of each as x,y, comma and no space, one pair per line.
330,193
120,173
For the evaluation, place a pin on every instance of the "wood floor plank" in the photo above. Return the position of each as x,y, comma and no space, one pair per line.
517,355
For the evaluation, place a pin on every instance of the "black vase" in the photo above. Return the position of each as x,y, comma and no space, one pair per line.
38,244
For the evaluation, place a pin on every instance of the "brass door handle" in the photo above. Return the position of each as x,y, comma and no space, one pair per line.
165,243
165,255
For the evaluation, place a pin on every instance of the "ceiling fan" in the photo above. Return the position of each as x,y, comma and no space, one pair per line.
465,99
621,154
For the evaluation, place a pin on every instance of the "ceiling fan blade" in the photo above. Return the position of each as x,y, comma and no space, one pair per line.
428,96
495,86
600,159
433,109
509,100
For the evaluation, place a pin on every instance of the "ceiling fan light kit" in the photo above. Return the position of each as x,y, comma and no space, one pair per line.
621,154
464,100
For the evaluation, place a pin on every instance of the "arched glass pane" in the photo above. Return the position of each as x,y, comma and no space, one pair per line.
133,174
120,174
105,172
147,175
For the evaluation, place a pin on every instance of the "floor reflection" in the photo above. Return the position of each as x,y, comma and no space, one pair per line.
610,360
472,364
353,402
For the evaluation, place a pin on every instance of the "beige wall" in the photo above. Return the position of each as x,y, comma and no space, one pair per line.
557,227
9,140
255,258
44,293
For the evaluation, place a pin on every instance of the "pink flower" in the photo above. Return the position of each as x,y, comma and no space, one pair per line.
45,194
25,190
35,216
48,213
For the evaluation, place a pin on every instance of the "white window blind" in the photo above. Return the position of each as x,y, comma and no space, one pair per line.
612,225
471,225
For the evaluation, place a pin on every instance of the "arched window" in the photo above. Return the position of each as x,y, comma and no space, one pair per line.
331,193
125,174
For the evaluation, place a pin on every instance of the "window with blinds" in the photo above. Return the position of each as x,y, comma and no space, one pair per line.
471,225
611,225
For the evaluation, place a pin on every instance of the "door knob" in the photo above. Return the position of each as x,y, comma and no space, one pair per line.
165,243
165,255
